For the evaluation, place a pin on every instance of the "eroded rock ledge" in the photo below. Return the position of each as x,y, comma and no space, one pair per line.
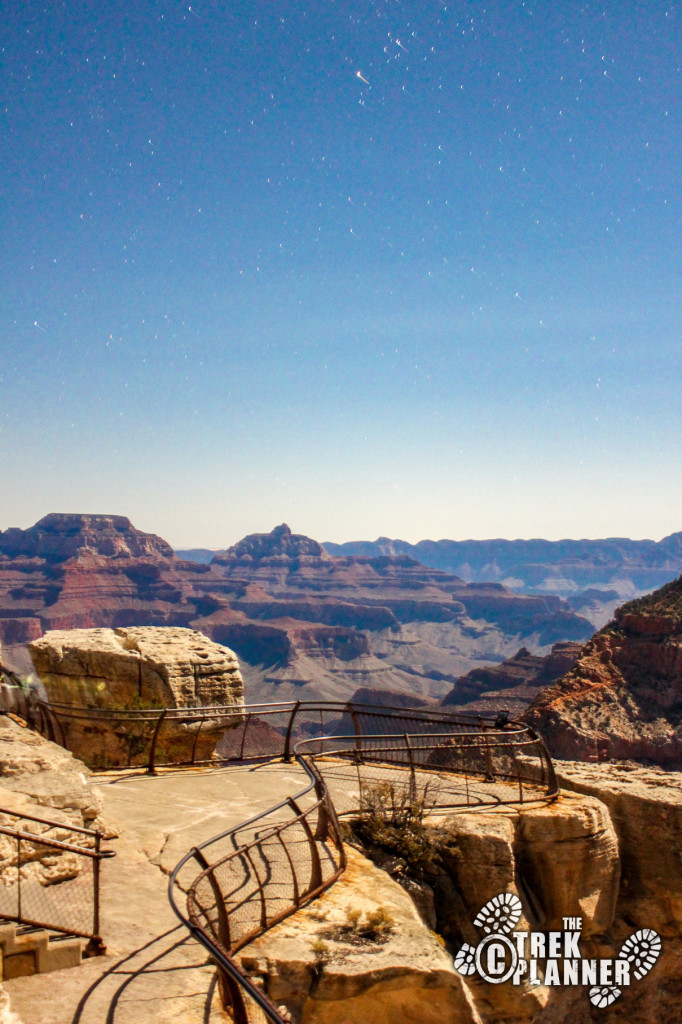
608,850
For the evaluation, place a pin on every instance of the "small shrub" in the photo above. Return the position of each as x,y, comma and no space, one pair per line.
392,819
379,923
376,926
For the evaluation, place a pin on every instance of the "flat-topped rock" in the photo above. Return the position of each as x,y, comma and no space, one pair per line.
64,535
136,666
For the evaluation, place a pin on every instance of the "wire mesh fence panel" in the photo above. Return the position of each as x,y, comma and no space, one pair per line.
46,884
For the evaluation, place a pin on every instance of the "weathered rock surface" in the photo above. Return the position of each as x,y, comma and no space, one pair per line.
318,966
133,669
623,698
298,617
515,683
41,779
136,666
561,859
645,806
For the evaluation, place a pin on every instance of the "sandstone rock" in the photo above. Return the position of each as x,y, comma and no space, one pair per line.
35,773
561,858
136,665
325,974
7,1015
567,859
40,779
645,806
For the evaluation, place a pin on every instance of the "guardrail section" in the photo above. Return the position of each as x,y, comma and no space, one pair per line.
51,876
253,876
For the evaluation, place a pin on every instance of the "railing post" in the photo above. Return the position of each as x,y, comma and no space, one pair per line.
357,731
413,780
322,827
489,777
196,738
19,877
223,922
246,726
316,863
95,946
151,767
287,741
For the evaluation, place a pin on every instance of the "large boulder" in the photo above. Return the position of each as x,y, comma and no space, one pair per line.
133,666
134,670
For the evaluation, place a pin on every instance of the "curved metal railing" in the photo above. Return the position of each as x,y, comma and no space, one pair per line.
256,874
238,884
158,737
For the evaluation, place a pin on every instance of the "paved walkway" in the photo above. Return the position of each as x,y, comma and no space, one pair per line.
153,972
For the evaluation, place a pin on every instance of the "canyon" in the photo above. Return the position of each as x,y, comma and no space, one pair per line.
623,697
593,576
304,624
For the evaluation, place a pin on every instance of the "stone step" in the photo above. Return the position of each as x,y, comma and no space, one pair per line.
25,950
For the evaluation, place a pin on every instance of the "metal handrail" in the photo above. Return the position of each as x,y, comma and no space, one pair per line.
211,925
64,723
96,855
234,978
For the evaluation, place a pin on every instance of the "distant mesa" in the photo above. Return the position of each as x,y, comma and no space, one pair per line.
60,536
593,575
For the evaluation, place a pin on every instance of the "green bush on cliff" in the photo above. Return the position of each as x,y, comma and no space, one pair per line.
391,820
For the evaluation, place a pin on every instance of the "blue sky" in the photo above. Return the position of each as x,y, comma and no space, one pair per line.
368,267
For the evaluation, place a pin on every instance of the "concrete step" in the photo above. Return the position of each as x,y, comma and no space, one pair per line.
25,950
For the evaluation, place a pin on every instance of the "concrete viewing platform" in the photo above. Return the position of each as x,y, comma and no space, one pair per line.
153,972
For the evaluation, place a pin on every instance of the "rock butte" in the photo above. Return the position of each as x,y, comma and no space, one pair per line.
304,624
148,665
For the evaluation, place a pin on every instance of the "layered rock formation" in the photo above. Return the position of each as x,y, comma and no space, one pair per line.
515,683
593,575
136,666
606,851
421,625
623,698
304,624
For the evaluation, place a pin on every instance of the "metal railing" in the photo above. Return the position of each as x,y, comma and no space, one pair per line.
160,737
256,874
479,769
238,884
51,876
253,876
